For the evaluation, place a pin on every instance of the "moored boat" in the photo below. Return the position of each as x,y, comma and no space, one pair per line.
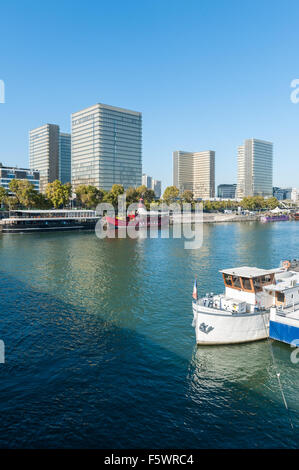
24,221
284,314
239,315
140,218
275,218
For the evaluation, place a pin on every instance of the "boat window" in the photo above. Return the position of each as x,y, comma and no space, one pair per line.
257,284
227,279
280,297
237,282
246,283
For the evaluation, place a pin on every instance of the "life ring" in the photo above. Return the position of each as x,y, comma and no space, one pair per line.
286,264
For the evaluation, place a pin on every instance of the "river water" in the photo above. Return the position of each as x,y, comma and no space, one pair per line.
100,351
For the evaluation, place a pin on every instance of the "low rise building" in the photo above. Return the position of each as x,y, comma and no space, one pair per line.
9,173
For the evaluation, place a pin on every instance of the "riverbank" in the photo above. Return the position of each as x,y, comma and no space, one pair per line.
214,218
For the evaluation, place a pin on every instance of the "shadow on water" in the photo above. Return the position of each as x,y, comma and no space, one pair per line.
74,379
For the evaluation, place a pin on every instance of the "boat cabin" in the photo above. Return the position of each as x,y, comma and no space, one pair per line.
248,284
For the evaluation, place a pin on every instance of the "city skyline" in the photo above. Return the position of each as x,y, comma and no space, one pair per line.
198,110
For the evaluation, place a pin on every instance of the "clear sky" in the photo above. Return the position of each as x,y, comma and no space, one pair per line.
205,74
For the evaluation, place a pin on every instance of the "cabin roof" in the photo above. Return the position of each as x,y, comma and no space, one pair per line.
249,271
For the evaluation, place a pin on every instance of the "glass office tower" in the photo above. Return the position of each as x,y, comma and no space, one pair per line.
65,157
106,147
255,168
44,153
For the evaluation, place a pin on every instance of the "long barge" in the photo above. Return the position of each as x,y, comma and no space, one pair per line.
24,221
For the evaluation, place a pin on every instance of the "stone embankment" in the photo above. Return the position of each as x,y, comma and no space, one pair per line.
213,218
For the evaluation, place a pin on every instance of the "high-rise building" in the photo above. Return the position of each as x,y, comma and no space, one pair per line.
64,157
153,184
9,173
157,187
147,181
255,168
106,147
44,153
195,171
226,191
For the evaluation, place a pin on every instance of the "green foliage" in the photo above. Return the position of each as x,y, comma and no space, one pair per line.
3,194
187,196
89,196
59,194
41,202
170,195
24,192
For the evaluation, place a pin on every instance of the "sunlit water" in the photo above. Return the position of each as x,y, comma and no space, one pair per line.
100,351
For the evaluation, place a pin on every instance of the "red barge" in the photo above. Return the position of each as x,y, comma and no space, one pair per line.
140,219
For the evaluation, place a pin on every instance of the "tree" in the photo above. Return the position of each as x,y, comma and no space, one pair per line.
112,195
3,194
41,202
89,195
187,196
11,202
59,194
23,191
132,195
141,190
272,203
170,194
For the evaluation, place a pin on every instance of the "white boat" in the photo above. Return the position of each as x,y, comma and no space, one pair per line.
284,314
242,313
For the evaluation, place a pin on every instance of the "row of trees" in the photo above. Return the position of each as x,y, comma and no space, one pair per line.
22,194
172,194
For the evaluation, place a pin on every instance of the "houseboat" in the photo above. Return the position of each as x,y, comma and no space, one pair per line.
241,314
275,218
24,221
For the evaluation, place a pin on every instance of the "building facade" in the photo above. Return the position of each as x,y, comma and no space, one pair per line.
44,153
147,181
157,188
65,157
226,191
282,193
295,194
106,147
195,171
255,168
8,173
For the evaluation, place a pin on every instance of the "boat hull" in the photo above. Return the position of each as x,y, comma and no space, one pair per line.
141,222
50,227
275,218
212,327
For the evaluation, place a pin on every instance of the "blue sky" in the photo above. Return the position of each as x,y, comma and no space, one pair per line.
205,74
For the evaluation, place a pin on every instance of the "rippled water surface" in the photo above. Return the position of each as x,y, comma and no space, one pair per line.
100,351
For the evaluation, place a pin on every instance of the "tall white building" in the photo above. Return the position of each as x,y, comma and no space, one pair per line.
255,169
147,181
106,147
195,171
157,187
44,153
